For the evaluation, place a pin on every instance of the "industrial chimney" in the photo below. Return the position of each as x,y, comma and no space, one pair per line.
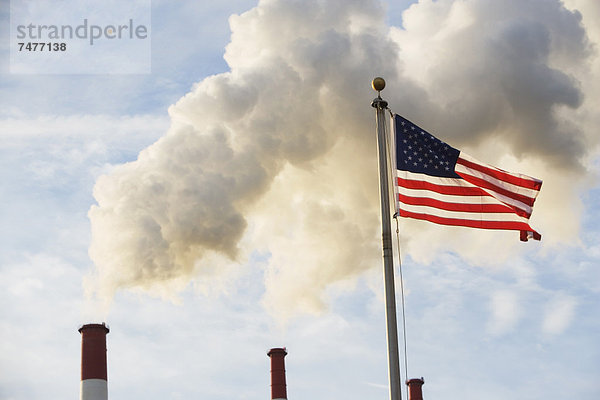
414,388
94,384
278,386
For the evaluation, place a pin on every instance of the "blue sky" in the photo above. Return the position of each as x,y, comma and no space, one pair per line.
280,96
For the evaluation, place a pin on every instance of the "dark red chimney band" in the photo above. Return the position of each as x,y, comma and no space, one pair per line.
414,389
278,385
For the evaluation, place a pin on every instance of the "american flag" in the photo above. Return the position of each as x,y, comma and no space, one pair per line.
440,184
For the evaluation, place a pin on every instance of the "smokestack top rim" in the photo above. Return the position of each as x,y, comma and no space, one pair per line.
415,381
94,326
277,350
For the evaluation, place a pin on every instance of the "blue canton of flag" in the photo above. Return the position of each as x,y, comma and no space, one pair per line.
420,152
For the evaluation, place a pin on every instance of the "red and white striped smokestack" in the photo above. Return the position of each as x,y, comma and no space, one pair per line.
278,386
414,388
94,385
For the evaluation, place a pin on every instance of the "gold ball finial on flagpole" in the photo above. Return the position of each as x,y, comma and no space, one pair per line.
378,84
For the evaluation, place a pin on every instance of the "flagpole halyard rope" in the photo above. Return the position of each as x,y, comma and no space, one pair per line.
392,175
402,297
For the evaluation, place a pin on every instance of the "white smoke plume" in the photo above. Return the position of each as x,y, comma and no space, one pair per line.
278,156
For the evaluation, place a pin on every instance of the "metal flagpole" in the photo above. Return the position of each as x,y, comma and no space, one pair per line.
388,263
